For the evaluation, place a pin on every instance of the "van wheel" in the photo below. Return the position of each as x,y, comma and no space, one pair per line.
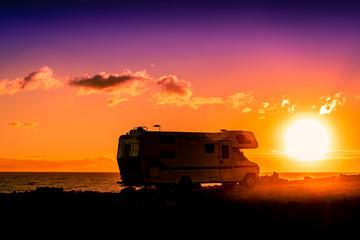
185,184
249,180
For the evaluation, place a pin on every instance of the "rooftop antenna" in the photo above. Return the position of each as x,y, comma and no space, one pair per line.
158,126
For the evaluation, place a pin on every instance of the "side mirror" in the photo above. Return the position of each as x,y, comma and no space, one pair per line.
242,156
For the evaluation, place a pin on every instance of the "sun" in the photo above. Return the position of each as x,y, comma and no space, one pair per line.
307,140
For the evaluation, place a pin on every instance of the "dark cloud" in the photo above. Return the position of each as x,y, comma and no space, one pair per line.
118,86
102,81
28,79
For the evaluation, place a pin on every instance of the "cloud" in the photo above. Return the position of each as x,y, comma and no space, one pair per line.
171,86
116,85
169,89
172,91
267,109
292,109
15,124
41,79
111,101
330,104
119,87
23,125
246,110
10,87
196,102
178,93
276,106
286,104
238,100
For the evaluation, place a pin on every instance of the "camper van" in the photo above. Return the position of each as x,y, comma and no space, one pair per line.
186,159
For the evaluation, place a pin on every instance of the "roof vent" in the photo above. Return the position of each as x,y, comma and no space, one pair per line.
158,126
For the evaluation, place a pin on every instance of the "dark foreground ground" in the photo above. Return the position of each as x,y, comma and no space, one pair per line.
275,207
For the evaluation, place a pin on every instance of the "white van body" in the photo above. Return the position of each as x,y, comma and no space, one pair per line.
155,158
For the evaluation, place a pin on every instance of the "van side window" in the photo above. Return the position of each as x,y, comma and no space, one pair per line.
167,139
167,154
126,150
209,148
224,151
243,139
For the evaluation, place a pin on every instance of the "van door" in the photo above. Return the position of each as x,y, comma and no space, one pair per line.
226,168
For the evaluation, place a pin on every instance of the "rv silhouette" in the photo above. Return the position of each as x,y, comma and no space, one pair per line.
186,159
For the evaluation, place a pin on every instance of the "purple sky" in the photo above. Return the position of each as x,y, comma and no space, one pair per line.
256,65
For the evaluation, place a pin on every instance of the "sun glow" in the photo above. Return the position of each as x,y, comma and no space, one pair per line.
307,140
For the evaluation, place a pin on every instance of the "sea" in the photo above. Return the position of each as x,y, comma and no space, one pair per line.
102,182
70,181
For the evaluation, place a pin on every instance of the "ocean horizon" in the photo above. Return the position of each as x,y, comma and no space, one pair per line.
103,181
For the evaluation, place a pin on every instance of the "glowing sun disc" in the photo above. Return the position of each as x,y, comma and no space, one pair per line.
307,140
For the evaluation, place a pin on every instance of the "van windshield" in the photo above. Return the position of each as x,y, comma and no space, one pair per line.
128,149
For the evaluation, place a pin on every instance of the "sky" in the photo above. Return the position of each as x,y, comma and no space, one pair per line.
76,76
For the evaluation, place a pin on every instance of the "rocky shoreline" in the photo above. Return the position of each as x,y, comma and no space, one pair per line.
321,206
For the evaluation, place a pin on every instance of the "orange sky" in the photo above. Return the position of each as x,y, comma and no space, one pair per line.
61,129
70,85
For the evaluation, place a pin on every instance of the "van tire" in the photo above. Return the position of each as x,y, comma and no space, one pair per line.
249,180
185,184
